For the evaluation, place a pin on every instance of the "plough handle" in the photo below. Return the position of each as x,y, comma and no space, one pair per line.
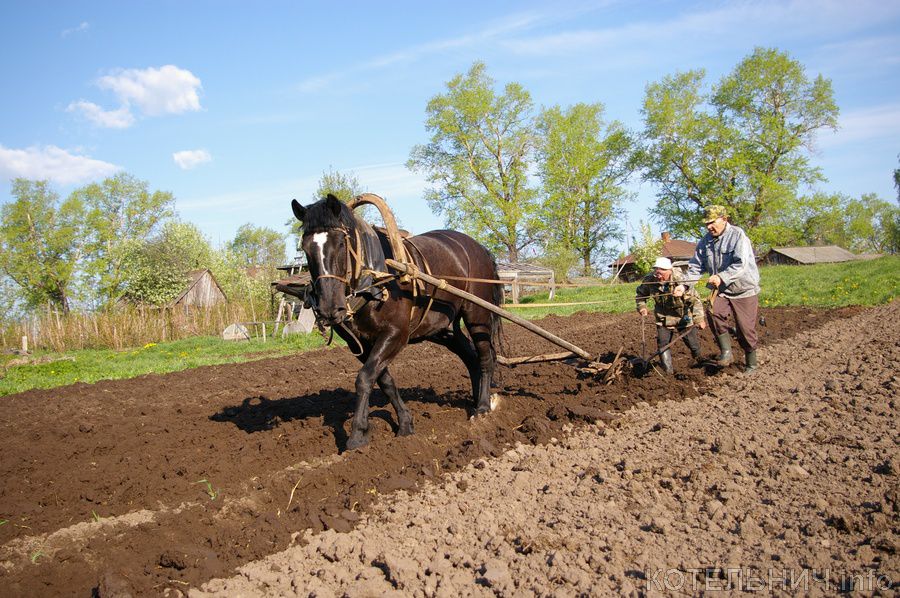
445,286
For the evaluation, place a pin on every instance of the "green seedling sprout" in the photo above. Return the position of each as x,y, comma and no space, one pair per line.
96,516
209,489
37,554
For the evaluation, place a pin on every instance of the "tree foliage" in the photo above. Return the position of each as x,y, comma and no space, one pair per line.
646,250
41,243
257,246
743,144
477,161
584,164
864,225
158,267
121,211
343,185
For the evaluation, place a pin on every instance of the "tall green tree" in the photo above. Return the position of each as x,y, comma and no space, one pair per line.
477,161
744,144
343,185
41,242
584,164
257,246
121,211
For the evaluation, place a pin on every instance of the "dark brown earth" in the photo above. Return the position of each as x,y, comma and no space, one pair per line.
165,482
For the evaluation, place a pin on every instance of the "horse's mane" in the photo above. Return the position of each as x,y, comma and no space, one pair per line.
319,217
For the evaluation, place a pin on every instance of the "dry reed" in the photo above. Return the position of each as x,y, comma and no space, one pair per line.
124,326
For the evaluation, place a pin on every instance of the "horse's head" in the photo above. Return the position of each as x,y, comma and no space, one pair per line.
327,229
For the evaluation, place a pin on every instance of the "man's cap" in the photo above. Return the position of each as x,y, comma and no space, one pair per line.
663,263
714,212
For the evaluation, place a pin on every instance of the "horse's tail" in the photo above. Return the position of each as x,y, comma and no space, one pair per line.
496,320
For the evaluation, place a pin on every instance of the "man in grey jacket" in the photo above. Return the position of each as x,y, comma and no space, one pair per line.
725,252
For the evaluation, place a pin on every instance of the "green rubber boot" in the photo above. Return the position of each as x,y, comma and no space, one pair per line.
751,363
666,358
725,358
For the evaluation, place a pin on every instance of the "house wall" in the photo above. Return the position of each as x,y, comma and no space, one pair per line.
205,293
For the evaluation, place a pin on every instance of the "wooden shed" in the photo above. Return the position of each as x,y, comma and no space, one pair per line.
519,275
202,290
808,255
680,252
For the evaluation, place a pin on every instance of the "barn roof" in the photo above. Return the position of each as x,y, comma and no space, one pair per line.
194,277
816,255
674,249
522,269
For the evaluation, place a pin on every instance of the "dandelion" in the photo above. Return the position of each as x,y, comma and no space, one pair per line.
149,345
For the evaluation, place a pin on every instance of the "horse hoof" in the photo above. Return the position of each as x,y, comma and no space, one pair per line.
354,442
405,430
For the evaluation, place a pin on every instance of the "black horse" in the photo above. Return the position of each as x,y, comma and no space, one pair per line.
378,317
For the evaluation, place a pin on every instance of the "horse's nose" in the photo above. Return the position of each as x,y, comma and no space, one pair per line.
338,315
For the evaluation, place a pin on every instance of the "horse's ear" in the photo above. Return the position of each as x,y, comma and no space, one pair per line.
299,211
333,204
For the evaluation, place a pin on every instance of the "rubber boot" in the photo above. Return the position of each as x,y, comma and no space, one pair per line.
696,358
750,358
666,359
725,358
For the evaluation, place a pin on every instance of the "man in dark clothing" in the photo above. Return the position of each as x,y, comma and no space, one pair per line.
725,252
674,310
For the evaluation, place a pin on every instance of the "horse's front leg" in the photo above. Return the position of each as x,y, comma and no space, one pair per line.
382,353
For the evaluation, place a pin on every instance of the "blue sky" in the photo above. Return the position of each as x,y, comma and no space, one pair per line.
237,107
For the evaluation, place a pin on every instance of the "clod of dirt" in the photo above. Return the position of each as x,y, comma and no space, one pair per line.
113,585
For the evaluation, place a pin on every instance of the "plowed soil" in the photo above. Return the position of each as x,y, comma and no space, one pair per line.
158,484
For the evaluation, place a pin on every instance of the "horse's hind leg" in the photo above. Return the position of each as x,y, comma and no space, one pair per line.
478,322
404,417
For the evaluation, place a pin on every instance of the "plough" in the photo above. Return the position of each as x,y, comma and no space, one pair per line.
585,362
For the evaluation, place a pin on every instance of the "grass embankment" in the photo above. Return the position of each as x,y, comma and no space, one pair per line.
867,283
826,285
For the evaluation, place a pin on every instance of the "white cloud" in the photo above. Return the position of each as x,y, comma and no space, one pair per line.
189,159
494,31
155,91
737,22
864,124
52,163
84,26
110,119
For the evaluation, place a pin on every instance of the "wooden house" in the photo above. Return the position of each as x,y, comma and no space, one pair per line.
202,290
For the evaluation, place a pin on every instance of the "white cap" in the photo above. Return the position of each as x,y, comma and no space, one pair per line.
663,263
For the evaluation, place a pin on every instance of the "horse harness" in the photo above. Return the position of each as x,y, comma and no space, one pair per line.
354,261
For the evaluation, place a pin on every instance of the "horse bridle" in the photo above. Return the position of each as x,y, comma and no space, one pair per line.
354,269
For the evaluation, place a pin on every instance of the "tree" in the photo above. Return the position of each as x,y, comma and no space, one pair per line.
121,211
257,246
157,269
41,242
343,185
584,164
860,225
744,144
477,161
646,250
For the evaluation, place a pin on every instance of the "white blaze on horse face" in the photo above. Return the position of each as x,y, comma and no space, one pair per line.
319,239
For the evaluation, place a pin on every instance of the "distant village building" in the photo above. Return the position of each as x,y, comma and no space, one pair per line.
680,252
519,274
201,290
808,255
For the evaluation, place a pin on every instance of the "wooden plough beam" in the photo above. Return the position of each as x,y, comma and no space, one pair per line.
408,271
